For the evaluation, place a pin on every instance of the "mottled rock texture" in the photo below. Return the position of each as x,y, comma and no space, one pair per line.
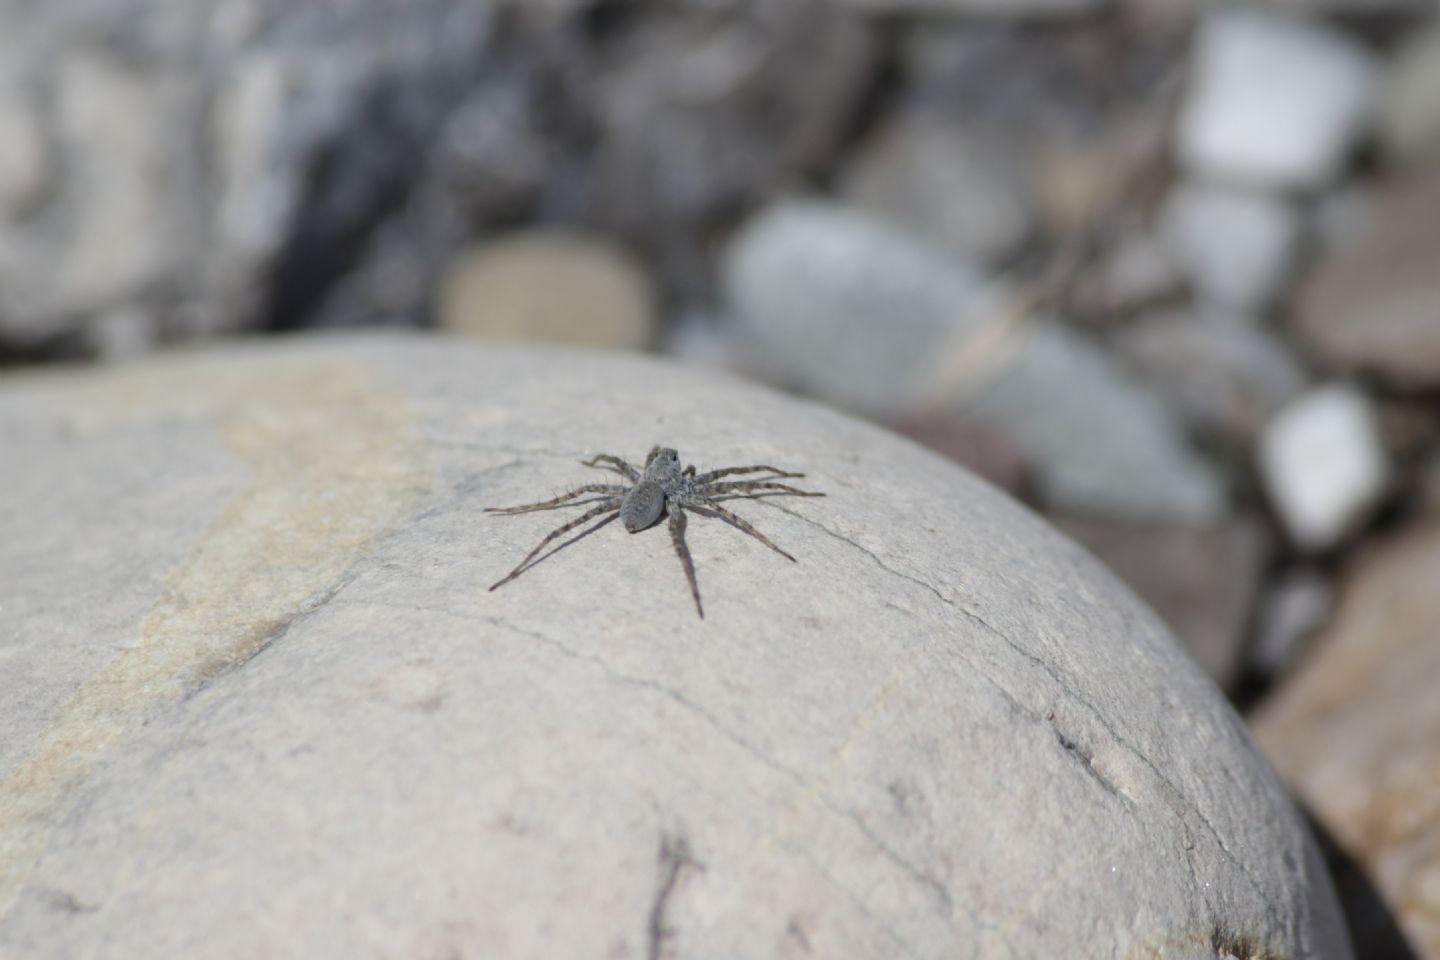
1356,731
216,164
258,702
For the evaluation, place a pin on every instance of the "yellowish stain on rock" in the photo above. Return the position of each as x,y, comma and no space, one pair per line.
335,460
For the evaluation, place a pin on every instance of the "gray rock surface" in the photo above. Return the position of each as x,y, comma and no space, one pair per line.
845,306
1357,734
1274,100
966,193
699,105
1200,579
1235,246
1100,442
258,702
850,309
1370,304
1224,374
188,147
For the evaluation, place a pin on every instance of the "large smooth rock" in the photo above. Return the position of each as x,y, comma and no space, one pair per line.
258,701
1200,579
1357,733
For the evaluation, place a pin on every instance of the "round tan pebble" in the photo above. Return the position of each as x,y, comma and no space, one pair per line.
550,287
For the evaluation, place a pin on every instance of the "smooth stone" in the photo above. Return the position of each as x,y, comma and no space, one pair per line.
1099,442
1223,374
1275,100
258,701
1370,304
549,287
1357,733
847,308
1200,579
1323,464
1235,246
965,192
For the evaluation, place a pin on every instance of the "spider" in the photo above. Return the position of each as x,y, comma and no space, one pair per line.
661,488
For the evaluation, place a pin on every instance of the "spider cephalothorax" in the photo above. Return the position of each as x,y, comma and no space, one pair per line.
661,488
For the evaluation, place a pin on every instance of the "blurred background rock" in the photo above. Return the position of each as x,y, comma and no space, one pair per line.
1169,271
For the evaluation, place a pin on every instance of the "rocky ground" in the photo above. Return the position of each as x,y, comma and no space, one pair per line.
1167,272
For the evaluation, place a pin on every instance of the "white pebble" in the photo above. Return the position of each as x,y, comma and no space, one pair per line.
1235,246
1274,100
1323,464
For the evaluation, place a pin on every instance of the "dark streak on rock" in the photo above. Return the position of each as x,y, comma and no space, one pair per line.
796,932
1086,760
1229,945
675,857
63,901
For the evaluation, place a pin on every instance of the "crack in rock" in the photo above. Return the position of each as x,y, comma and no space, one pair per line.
675,859
1178,798
936,888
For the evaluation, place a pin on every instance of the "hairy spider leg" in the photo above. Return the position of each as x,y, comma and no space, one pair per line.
612,504
611,488
745,486
677,537
618,464
703,505
612,517
727,471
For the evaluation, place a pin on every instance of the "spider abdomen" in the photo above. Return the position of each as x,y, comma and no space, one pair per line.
642,505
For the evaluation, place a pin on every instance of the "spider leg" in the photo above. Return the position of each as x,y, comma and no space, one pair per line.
612,504
737,487
610,488
702,505
677,537
618,464
727,471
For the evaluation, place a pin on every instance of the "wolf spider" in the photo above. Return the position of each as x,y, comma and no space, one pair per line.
661,487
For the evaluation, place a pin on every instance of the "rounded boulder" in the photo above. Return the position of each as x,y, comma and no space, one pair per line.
258,700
